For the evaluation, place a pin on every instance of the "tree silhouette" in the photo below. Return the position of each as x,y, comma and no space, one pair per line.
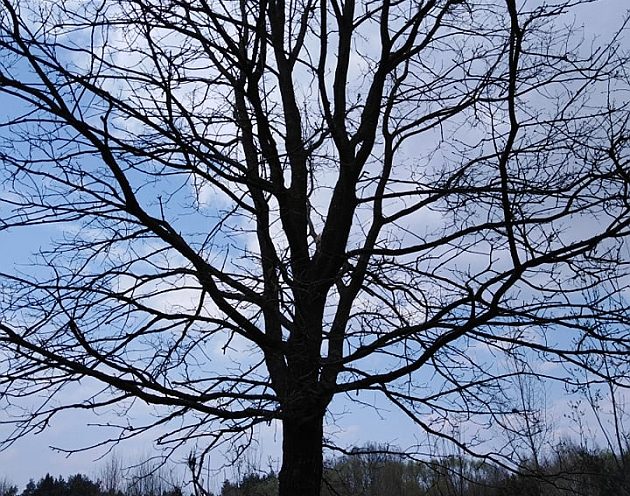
257,206
7,489
46,486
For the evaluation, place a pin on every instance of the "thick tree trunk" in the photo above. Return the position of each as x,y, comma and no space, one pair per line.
302,459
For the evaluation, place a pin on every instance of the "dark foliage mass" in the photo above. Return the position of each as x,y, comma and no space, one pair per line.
82,485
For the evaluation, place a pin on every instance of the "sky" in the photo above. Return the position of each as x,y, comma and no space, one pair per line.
33,457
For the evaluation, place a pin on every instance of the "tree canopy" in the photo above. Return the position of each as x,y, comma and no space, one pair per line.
255,207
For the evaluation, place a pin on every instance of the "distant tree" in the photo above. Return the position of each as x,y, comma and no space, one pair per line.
259,206
175,491
47,486
7,488
372,470
80,485
576,470
149,478
251,485
111,475
29,490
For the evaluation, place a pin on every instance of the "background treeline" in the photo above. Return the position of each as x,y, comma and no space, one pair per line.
371,471
143,479
570,469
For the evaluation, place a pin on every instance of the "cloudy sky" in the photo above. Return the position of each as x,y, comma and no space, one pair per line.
32,456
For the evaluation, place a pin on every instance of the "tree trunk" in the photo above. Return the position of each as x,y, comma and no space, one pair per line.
302,459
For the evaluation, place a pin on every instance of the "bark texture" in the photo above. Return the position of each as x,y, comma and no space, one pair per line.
303,462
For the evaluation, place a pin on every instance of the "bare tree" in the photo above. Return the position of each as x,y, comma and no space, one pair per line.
6,488
256,206
111,475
